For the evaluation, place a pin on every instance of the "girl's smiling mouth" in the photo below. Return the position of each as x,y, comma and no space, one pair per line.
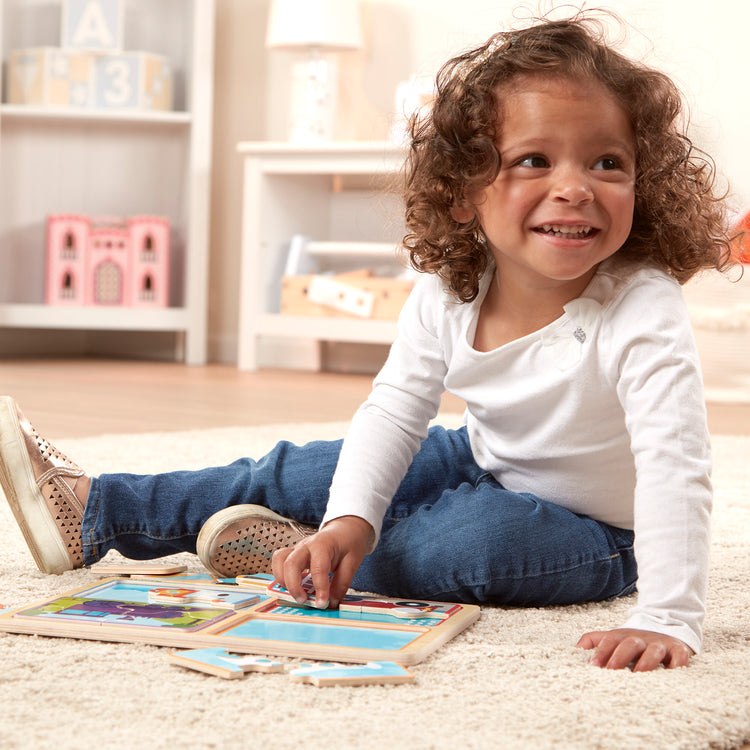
567,231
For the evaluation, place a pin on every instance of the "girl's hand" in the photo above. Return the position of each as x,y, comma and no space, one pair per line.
617,649
331,555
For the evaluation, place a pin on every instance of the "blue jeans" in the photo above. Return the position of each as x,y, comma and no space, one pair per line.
452,533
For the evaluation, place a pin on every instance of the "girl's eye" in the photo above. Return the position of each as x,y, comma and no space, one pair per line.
607,163
534,162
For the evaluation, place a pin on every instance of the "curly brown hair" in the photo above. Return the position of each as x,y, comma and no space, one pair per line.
679,222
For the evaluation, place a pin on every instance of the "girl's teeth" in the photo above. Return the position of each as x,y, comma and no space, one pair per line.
579,231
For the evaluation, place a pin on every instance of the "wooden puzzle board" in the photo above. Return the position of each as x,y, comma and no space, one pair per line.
124,610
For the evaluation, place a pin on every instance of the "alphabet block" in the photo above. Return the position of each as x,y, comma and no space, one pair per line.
92,25
51,77
132,80
48,76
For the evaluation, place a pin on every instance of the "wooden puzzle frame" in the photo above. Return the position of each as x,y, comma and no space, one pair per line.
120,610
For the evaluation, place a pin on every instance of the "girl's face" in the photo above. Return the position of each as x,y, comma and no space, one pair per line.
563,199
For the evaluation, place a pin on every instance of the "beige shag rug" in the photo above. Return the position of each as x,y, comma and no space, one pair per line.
514,680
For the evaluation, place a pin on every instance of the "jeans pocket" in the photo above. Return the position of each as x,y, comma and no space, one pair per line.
621,538
622,545
486,478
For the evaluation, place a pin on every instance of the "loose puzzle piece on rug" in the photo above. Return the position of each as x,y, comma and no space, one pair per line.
219,662
372,673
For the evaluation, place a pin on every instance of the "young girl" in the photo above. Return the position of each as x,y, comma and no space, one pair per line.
555,206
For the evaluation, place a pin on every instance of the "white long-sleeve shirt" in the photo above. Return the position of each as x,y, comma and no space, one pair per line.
602,412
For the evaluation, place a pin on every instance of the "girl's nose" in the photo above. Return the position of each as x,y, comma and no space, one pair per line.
572,187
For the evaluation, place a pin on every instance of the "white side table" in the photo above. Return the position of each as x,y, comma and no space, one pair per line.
331,193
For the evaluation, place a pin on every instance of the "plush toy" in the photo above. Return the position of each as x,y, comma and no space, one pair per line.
741,244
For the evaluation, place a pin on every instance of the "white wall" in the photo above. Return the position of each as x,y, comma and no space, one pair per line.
703,45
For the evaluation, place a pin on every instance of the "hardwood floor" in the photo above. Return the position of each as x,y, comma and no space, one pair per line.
76,398
82,397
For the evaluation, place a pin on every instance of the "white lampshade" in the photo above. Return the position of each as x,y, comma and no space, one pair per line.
331,25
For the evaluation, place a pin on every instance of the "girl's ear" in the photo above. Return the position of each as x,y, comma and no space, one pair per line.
462,213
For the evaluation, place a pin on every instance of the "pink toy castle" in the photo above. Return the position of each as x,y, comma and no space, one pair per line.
107,261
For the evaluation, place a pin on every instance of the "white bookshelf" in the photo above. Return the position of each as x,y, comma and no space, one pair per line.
105,163
336,195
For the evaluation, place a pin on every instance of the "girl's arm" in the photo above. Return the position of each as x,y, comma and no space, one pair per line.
388,429
658,380
385,434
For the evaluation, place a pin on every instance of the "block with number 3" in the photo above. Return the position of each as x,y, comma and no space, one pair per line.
133,80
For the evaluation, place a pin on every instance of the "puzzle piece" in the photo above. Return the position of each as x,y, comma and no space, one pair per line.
181,579
327,674
277,590
220,663
140,569
410,610
233,600
255,581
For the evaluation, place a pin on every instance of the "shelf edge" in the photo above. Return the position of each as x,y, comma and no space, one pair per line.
358,330
21,112
94,318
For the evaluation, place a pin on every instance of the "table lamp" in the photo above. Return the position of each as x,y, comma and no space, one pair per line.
317,27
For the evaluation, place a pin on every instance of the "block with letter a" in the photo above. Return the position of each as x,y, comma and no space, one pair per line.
92,25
